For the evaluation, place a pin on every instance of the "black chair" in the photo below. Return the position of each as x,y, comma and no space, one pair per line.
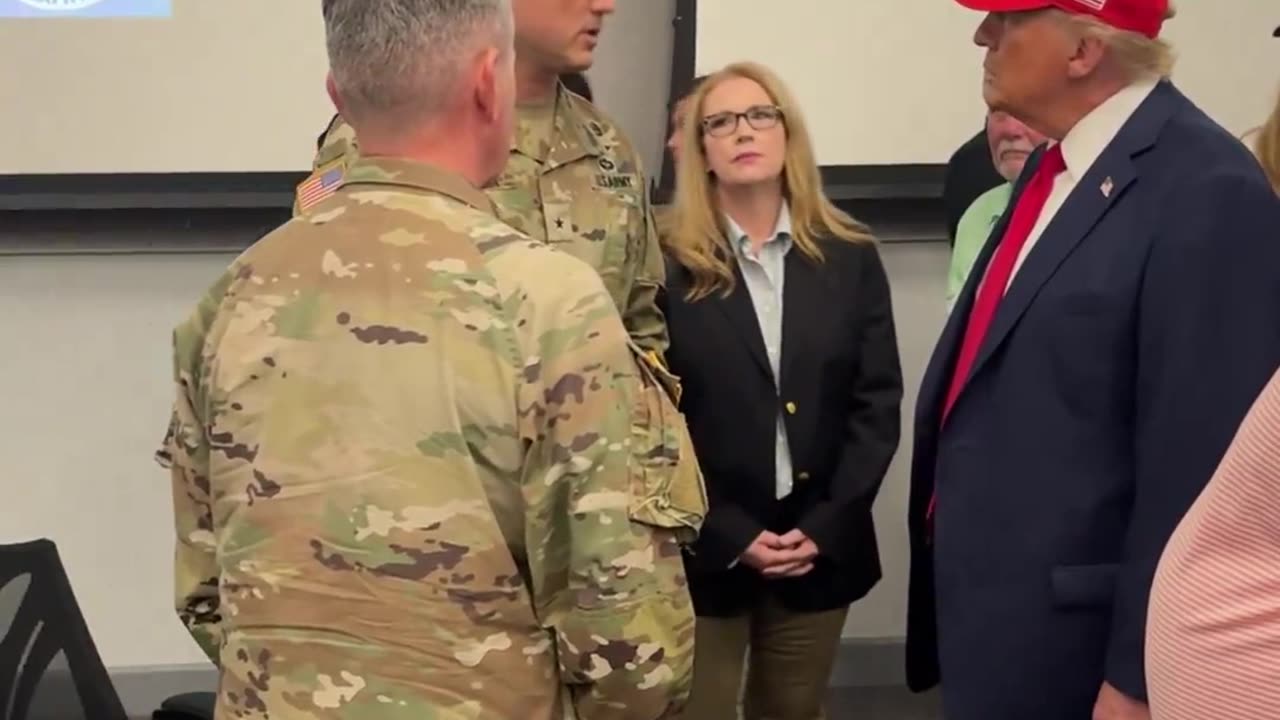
187,706
49,666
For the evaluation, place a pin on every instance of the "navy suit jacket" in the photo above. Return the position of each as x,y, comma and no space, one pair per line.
1129,346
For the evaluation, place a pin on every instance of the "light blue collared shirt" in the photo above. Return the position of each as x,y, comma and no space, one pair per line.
765,275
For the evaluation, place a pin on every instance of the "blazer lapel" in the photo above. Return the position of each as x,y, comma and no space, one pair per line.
802,292
742,314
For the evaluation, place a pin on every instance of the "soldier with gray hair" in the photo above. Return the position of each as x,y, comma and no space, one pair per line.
418,468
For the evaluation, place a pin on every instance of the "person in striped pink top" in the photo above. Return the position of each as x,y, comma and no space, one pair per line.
1213,629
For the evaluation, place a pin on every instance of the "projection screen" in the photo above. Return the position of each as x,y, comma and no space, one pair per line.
152,86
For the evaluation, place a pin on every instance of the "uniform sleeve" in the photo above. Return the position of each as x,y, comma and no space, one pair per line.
642,318
185,453
609,587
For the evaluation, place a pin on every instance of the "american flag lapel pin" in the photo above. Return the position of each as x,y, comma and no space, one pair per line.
1107,186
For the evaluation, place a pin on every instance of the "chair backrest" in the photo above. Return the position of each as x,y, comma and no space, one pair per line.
49,665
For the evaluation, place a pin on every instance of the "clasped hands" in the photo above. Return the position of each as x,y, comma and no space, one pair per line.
781,556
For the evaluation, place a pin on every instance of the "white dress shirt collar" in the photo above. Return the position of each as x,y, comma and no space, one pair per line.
1085,142
781,230
1081,148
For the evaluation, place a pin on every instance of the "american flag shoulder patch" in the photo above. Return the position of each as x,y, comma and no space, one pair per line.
319,185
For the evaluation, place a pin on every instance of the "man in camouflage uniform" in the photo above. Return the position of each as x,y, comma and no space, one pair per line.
419,470
573,180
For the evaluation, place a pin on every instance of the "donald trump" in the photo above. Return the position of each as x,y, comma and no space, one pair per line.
1116,327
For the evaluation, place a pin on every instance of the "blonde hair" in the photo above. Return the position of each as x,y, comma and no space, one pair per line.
1138,56
697,239
1267,146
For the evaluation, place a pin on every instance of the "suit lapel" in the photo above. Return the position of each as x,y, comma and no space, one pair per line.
1093,196
742,315
1083,208
802,293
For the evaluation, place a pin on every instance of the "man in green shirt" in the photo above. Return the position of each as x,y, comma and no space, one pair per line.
1011,144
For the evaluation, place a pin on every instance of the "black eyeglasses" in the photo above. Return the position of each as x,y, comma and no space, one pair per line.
759,117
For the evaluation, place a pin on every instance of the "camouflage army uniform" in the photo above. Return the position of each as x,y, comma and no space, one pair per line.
585,194
664,219
420,471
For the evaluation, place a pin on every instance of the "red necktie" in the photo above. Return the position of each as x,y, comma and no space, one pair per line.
999,270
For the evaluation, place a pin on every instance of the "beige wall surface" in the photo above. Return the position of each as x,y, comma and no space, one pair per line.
222,86
899,81
236,86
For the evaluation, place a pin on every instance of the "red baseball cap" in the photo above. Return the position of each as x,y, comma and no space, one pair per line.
1140,16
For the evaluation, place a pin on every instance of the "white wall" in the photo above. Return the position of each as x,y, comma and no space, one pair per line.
187,93
632,74
159,116
85,404
879,81
899,81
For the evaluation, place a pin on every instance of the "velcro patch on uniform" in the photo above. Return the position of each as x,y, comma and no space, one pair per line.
321,184
615,181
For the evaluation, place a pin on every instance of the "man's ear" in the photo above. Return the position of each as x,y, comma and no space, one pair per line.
486,86
1088,54
331,87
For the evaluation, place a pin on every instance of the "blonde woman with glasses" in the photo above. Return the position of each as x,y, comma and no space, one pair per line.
783,335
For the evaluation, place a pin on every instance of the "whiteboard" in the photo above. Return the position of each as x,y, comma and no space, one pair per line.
206,86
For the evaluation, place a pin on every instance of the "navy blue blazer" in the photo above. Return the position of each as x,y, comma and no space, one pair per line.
840,392
1130,344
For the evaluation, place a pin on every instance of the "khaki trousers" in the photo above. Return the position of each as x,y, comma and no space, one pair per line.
787,658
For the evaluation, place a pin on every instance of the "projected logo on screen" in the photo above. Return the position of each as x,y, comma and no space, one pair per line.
84,8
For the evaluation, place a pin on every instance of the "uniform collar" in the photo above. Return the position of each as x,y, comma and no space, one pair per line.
574,134
419,176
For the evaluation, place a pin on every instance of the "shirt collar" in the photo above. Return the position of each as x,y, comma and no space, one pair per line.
1000,198
417,175
1085,142
781,231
